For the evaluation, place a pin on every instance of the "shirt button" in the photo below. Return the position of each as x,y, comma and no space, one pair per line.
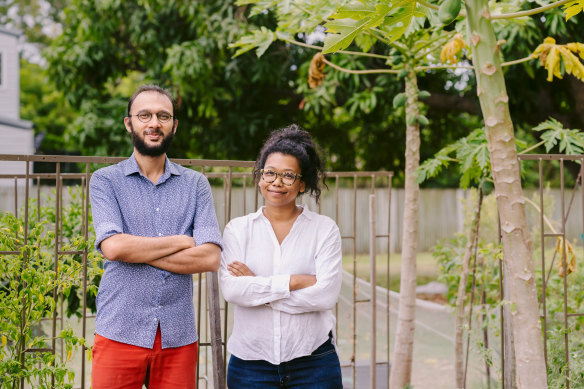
159,234
160,306
157,209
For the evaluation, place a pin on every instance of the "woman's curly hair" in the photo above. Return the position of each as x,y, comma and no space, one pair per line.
294,141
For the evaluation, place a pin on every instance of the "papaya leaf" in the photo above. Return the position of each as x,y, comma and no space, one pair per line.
451,50
560,59
573,8
400,18
349,22
569,141
432,167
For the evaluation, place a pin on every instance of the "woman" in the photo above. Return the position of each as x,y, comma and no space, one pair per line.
281,270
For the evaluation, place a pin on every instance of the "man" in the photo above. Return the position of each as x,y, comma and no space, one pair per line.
155,224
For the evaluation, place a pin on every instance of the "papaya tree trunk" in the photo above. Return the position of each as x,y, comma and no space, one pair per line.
401,369
461,297
517,250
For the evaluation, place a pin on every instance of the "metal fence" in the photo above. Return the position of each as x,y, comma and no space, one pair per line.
213,315
563,248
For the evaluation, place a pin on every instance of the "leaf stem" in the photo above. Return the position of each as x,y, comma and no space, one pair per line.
428,5
319,48
517,61
531,11
432,67
535,146
350,71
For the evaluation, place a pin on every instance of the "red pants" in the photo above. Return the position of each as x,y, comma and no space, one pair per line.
123,366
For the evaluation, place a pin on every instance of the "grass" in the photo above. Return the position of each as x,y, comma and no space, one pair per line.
426,266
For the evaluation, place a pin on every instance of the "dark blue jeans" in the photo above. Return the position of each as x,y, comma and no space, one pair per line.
320,370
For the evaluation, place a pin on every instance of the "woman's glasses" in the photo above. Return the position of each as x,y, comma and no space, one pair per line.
288,178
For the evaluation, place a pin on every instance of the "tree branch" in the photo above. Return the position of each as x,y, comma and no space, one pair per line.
319,48
432,67
531,11
350,71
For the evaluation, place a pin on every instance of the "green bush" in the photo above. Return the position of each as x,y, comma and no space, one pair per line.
30,290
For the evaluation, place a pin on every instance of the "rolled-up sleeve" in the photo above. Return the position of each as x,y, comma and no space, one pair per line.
107,218
205,226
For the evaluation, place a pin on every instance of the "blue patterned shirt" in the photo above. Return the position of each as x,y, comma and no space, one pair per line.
134,298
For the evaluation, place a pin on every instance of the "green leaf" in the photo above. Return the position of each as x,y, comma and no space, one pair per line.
432,167
570,141
399,100
259,39
402,73
349,23
400,18
423,120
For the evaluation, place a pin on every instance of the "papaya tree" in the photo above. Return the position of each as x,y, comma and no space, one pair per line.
471,155
363,23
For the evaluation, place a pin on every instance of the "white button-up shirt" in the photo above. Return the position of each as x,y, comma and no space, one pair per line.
271,322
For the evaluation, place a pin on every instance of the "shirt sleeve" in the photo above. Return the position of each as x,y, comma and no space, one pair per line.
247,291
324,294
107,217
205,226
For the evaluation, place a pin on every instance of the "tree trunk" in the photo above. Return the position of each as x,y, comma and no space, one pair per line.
461,297
517,250
401,369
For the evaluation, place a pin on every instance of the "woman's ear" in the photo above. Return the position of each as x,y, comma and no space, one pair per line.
302,188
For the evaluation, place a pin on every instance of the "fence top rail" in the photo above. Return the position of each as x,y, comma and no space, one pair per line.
112,160
551,157
184,162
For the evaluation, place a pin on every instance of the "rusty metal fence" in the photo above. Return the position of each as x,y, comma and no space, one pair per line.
563,249
213,316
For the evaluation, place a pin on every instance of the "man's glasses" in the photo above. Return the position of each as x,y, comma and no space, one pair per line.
146,116
288,178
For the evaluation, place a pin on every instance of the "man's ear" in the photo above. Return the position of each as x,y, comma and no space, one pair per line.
127,123
175,126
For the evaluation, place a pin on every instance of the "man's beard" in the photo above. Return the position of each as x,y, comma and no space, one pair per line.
151,151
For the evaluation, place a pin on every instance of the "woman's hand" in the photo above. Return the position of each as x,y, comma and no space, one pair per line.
239,269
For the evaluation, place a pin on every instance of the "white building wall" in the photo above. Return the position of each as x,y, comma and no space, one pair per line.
10,82
15,141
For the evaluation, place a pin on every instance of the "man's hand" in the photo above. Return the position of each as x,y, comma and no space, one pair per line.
239,269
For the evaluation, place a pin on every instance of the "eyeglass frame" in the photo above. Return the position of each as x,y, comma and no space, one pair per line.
151,115
281,175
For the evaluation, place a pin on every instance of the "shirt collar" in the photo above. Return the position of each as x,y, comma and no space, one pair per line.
306,213
131,167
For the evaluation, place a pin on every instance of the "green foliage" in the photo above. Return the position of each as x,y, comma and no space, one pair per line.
554,134
43,104
471,152
30,288
226,106
259,39
351,20
399,100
